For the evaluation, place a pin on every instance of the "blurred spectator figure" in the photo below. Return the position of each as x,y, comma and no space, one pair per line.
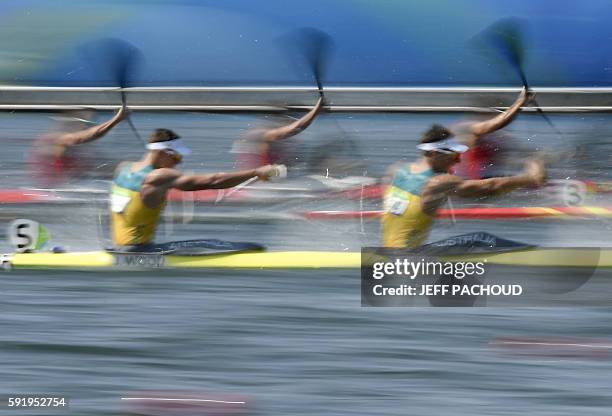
56,157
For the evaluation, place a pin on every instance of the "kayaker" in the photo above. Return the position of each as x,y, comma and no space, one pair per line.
266,145
54,158
487,144
415,191
139,189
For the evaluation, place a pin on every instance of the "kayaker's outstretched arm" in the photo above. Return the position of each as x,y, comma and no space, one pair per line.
294,128
437,191
160,180
222,180
500,121
533,175
157,183
92,133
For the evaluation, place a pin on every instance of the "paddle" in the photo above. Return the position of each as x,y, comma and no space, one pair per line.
120,58
314,46
281,172
507,37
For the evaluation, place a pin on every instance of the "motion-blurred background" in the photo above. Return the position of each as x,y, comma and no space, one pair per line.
383,43
297,342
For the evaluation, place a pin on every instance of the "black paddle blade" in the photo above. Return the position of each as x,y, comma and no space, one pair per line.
119,58
506,39
315,47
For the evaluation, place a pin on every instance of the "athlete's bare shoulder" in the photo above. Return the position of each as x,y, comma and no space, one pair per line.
464,133
442,183
162,177
156,184
436,192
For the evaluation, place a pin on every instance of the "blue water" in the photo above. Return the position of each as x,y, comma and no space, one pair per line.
290,343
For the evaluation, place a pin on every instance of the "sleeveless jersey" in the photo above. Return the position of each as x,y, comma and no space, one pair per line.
132,222
404,224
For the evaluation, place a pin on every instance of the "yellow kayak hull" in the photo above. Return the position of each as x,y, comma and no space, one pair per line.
533,257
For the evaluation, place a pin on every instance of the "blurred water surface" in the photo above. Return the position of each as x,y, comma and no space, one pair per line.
291,342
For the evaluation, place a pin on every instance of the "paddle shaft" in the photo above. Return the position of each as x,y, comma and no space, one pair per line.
281,172
239,187
129,119
537,105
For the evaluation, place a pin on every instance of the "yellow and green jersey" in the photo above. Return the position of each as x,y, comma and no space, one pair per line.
404,224
132,222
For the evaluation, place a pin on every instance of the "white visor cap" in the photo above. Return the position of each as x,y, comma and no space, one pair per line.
450,145
176,145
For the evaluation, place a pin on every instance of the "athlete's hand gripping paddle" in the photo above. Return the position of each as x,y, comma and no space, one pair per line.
120,58
507,38
266,173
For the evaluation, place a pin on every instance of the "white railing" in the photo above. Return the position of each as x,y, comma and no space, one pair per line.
270,99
